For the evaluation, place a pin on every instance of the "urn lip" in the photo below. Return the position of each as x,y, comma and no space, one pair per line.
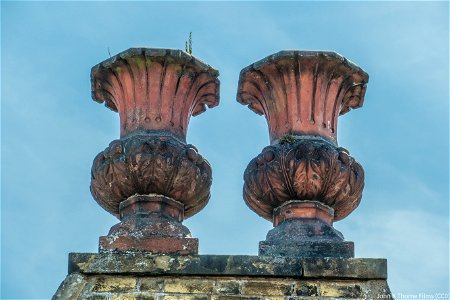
360,76
161,54
302,91
327,54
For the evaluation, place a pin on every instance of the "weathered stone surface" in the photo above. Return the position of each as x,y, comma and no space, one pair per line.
307,249
192,286
209,287
305,237
358,268
119,284
150,223
71,287
277,287
144,276
227,265
151,245
227,287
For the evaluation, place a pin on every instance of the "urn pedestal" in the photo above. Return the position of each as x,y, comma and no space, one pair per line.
150,178
303,181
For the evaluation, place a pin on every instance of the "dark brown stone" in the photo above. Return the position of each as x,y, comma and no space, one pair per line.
307,290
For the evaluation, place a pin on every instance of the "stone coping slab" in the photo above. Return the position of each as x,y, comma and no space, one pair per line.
227,265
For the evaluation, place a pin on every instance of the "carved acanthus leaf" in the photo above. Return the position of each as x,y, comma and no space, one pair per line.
151,164
308,169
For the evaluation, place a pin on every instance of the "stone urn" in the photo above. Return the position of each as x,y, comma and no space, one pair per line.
150,178
303,181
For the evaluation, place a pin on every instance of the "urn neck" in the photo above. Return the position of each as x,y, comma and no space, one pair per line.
303,209
152,205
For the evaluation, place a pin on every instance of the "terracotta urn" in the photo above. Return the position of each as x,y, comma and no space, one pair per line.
150,178
303,181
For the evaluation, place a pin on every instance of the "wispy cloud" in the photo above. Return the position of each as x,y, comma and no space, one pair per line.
415,242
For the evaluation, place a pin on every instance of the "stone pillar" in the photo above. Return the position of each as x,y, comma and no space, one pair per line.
150,178
303,181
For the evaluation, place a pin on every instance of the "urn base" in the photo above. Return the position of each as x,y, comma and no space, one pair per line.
318,249
304,229
151,224
151,245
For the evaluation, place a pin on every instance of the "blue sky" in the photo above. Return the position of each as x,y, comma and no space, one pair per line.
51,130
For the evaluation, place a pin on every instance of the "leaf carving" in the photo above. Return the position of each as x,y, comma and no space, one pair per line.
309,169
149,164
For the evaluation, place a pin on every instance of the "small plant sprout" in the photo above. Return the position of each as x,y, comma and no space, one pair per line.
188,44
288,139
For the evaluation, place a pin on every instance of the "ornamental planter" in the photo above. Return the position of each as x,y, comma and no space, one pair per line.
303,181
150,178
